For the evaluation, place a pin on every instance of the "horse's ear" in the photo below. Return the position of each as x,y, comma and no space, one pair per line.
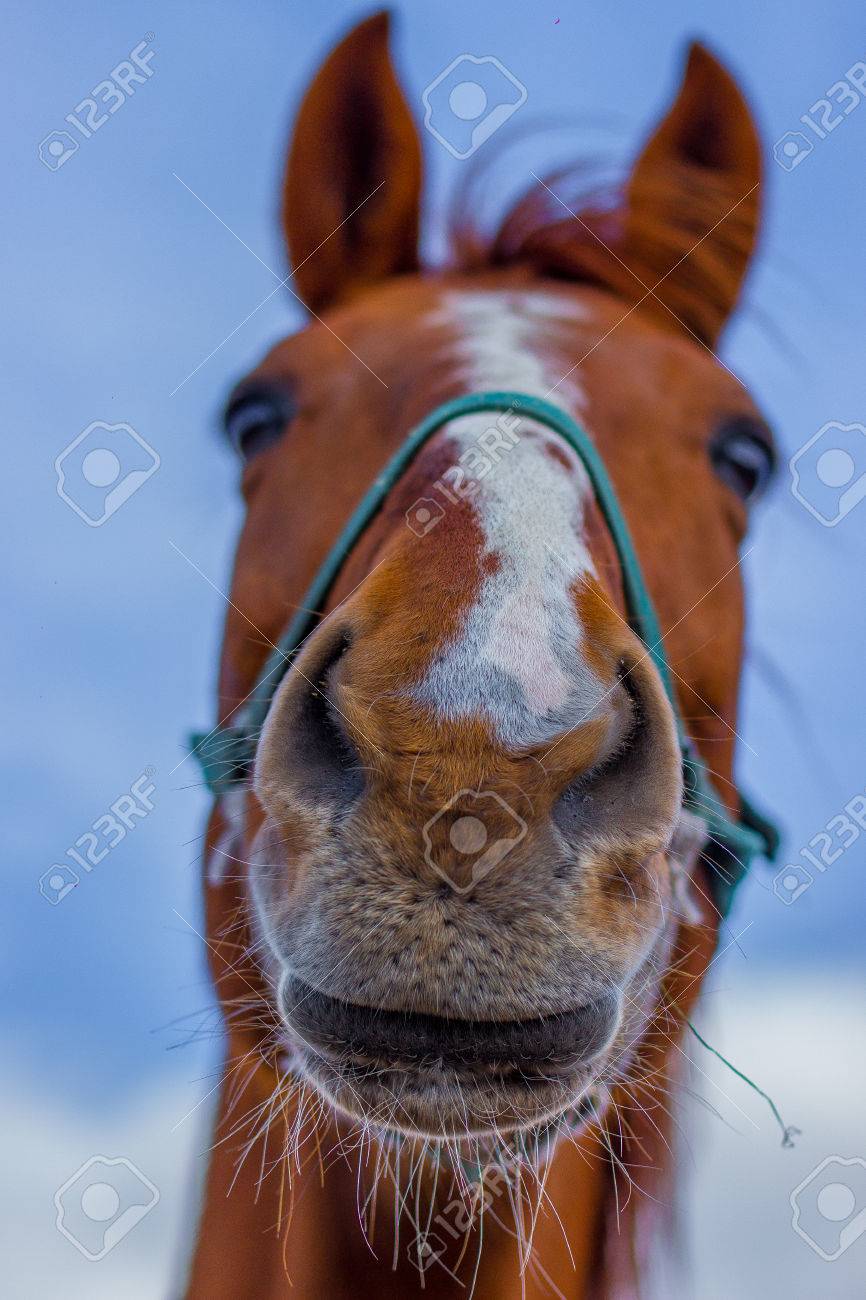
351,198
677,239
693,198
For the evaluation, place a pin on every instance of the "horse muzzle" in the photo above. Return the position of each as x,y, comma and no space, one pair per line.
440,1076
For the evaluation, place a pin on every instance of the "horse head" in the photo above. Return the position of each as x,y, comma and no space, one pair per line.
457,869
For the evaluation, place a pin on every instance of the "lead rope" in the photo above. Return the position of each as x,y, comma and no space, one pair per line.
789,1132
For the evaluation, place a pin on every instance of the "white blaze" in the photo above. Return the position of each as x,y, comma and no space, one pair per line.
517,660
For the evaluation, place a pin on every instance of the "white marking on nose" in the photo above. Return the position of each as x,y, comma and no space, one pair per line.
517,660
499,334
521,643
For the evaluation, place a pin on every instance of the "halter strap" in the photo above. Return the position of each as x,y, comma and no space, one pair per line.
226,753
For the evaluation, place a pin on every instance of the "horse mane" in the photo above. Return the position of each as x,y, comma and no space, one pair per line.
627,235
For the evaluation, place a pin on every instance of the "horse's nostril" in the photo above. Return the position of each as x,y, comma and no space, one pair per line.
630,790
547,1044
306,748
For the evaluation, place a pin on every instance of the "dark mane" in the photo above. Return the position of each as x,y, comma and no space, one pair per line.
624,235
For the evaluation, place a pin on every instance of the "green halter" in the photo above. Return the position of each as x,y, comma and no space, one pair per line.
226,754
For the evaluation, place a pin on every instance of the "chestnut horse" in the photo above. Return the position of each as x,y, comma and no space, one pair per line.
452,1040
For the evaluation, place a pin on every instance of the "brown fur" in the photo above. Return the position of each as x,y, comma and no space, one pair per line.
361,911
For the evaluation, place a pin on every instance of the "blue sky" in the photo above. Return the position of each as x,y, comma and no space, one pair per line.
120,284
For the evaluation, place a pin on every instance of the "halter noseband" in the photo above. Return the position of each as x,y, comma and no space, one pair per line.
226,753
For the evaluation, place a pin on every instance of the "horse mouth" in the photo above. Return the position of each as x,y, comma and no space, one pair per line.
435,1104
432,1077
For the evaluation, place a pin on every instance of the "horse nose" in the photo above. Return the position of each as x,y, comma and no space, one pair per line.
305,751
368,1035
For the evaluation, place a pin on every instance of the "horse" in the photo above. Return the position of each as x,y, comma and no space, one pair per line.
457,909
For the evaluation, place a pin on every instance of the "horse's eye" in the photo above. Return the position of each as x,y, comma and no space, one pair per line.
743,456
255,419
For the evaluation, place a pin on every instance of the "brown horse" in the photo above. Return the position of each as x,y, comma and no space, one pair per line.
452,924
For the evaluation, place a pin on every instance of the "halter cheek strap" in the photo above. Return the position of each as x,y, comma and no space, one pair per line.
226,754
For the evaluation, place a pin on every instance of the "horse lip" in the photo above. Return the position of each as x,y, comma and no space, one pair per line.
362,1040
428,1077
438,1105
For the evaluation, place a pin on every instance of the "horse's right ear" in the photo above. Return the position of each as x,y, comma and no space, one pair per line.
352,192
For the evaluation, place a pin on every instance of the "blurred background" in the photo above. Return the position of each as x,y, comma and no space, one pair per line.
143,260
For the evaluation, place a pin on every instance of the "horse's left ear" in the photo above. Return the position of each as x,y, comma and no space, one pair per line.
351,198
676,241
693,198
